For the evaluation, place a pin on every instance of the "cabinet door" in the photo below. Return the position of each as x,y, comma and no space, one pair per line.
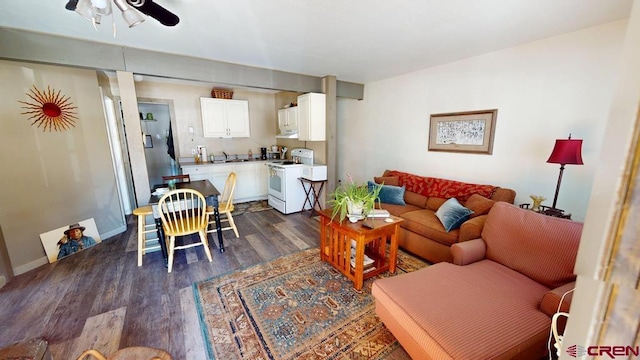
311,117
262,171
214,119
292,118
218,176
238,118
246,182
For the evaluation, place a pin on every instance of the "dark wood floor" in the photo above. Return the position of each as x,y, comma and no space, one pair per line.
99,298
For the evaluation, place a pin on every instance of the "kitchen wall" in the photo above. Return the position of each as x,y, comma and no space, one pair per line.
53,178
544,90
186,103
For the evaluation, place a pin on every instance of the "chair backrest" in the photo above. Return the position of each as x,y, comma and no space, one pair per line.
226,198
182,178
183,211
543,248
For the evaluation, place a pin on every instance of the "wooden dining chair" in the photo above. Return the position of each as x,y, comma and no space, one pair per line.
184,212
135,352
180,178
225,206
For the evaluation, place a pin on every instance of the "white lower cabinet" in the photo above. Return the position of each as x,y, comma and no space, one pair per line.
251,178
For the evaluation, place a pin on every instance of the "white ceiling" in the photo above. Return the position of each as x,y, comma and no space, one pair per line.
355,40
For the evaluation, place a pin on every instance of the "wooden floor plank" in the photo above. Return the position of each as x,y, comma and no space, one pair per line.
101,332
192,334
100,297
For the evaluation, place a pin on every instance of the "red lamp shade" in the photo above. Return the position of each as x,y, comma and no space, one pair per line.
567,151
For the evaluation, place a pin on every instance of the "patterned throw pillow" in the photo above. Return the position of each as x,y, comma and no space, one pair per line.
452,214
390,194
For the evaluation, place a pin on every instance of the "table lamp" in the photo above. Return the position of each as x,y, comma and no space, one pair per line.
565,152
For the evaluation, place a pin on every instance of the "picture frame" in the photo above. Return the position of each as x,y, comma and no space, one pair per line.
61,242
467,132
148,141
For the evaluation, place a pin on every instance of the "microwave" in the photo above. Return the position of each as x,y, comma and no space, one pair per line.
314,172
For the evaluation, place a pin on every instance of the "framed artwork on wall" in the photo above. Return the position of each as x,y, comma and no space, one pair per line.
470,131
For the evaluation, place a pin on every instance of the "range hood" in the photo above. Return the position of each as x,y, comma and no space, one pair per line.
288,135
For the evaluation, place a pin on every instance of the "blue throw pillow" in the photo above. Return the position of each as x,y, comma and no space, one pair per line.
389,194
452,214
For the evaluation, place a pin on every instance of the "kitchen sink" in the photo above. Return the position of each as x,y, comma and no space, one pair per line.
236,160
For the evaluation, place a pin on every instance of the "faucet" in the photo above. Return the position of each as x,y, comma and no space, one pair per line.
226,156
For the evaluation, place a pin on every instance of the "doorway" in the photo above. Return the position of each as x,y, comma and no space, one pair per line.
156,119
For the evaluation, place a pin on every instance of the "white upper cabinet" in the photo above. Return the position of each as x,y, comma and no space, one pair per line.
288,122
225,118
312,117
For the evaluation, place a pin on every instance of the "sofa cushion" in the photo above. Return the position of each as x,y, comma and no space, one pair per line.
541,247
424,222
415,199
479,311
386,180
479,204
451,214
434,203
389,194
399,210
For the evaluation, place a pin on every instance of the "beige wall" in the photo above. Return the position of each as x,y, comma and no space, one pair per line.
543,91
53,179
186,101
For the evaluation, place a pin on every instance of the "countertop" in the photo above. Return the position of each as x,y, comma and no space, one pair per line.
208,163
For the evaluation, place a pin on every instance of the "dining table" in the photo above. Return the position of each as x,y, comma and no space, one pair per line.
210,193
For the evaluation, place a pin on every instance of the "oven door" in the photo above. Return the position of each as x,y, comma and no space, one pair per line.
277,182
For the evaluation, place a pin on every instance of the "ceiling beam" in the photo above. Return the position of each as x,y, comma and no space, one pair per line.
20,45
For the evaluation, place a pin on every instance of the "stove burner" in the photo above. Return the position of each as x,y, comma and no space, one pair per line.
287,163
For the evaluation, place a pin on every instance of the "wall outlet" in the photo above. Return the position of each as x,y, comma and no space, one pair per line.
193,151
190,129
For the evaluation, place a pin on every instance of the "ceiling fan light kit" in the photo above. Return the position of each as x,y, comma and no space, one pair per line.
131,10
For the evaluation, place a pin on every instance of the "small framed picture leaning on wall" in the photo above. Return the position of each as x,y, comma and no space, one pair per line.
70,239
470,131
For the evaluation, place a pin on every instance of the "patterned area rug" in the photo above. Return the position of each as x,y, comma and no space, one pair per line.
295,307
251,206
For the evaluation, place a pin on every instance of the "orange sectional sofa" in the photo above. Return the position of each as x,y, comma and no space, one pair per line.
497,299
422,233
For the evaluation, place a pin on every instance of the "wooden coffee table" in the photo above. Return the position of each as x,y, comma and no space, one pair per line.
335,245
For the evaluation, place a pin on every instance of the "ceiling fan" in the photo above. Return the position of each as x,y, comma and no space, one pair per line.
131,11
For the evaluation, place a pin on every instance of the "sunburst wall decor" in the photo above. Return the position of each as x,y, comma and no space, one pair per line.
51,110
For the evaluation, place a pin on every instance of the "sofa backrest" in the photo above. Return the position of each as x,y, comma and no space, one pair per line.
429,192
541,247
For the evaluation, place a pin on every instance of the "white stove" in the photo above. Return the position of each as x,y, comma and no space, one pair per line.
286,193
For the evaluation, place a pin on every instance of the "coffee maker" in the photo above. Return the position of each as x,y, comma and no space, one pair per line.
263,153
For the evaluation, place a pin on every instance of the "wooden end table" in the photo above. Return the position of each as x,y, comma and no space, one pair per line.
335,245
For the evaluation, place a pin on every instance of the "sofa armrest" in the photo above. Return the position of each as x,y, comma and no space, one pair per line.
472,228
551,299
468,252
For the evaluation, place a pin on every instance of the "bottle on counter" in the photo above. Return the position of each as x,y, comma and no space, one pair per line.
250,154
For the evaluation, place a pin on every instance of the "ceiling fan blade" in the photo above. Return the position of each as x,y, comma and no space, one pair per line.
71,5
150,8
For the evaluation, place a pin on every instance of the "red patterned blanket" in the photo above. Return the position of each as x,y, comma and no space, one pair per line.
442,188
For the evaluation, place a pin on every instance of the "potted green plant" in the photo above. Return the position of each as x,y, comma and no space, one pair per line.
353,200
